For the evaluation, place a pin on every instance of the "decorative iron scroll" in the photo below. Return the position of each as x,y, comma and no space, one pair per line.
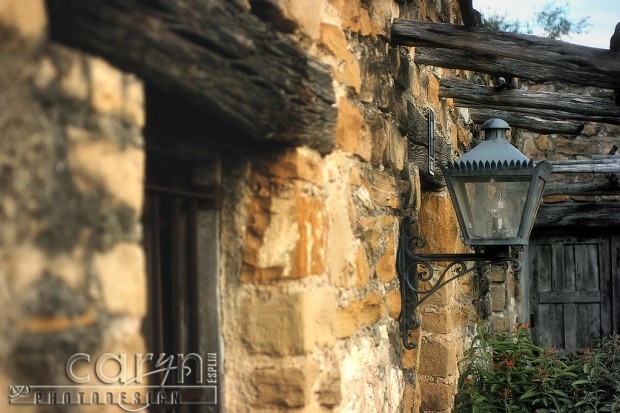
417,274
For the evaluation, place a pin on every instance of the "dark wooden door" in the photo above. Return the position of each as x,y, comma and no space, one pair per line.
571,290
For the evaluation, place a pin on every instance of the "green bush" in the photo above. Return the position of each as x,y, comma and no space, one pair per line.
508,373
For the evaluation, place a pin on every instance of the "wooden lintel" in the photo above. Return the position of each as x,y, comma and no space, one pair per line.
547,104
505,66
579,215
582,189
214,58
531,122
586,166
521,47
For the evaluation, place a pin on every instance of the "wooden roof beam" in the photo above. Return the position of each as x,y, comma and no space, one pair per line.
547,104
214,58
585,189
505,66
489,44
531,122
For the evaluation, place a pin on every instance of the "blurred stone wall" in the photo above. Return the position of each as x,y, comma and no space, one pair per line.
72,275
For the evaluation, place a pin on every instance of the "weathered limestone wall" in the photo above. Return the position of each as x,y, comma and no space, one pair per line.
309,289
72,275
310,297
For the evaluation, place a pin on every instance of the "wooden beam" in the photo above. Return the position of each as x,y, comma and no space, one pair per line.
587,189
585,166
505,66
528,121
579,215
549,104
213,57
485,42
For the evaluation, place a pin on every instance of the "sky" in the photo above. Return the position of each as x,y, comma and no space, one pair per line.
604,15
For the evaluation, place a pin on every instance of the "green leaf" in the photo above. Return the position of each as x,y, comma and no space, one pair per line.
529,393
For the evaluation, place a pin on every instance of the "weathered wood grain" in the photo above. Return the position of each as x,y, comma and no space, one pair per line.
585,166
525,48
579,215
515,67
532,122
587,189
549,104
214,57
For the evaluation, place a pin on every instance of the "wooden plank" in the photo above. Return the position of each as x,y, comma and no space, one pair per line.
590,325
570,327
579,215
592,189
569,270
529,121
615,275
586,166
561,297
515,67
211,57
551,104
606,287
485,42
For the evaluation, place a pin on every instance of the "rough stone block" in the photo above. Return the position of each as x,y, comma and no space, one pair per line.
382,188
438,358
133,107
291,15
438,322
393,302
498,297
101,162
500,324
359,313
439,225
73,83
409,395
348,72
106,87
342,246
349,12
289,324
330,394
386,267
352,134
396,149
363,269
285,237
282,387
374,228
122,276
436,396
432,91
28,17
298,163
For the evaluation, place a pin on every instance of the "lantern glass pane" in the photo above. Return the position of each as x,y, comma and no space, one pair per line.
491,208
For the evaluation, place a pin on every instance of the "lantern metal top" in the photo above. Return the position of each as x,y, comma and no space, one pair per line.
495,148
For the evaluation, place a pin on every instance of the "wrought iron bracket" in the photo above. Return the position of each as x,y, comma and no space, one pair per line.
418,280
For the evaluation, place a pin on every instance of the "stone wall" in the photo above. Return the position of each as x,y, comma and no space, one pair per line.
310,297
310,293
71,170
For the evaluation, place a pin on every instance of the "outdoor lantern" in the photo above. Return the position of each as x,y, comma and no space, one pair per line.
496,190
